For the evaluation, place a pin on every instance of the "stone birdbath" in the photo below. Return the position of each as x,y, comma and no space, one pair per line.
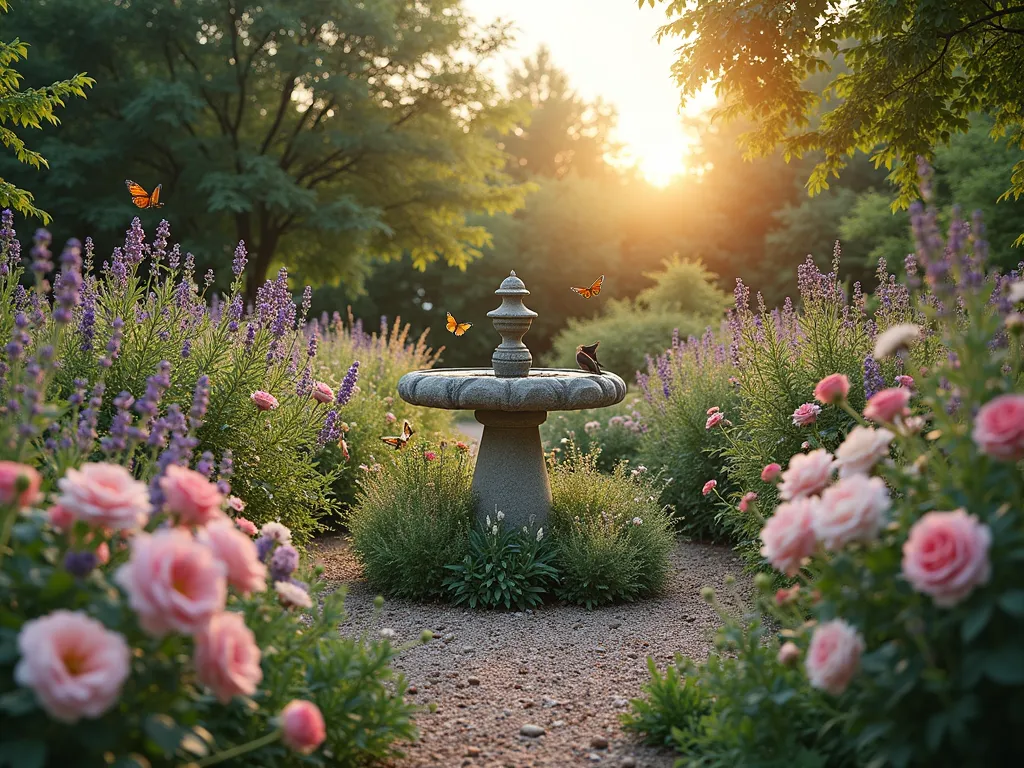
511,399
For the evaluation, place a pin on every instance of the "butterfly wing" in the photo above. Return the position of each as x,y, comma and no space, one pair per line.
452,325
407,430
140,197
394,442
461,328
586,293
595,289
154,199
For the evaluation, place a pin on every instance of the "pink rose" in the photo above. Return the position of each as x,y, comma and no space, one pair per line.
862,449
236,504
833,656
748,498
905,381
806,415
246,526
174,583
105,495
13,475
302,726
786,596
73,664
787,536
808,473
103,553
886,405
946,556
59,518
771,472
789,654
237,552
714,420
832,389
190,497
292,595
712,410
851,510
264,400
227,658
709,486
322,393
999,427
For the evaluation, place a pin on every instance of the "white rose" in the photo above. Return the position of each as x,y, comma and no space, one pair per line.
862,449
851,510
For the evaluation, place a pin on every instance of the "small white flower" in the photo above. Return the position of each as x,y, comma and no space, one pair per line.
277,532
540,534
494,530
1016,292
292,595
388,634
500,516
564,440
894,339
638,521
488,521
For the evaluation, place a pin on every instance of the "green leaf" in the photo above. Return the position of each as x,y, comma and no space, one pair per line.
20,701
164,732
1006,665
1013,602
976,622
22,754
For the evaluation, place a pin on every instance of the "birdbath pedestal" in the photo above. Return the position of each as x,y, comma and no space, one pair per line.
511,399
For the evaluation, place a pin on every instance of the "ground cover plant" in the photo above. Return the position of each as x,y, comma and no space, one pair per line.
900,638
616,432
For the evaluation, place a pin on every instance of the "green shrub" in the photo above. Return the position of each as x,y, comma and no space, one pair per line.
375,409
670,702
612,537
616,432
504,567
679,388
411,518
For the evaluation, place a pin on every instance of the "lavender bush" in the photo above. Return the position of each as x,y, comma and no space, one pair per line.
133,361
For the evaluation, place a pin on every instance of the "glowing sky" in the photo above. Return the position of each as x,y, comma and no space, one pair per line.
607,47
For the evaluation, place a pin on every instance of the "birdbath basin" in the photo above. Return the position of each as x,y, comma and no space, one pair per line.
511,399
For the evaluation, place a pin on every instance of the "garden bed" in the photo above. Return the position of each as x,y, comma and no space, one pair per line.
565,669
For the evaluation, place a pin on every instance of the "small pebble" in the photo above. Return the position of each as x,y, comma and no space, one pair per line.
532,731
628,762
473,680
620,703
594,757
472,751
615,625
599,742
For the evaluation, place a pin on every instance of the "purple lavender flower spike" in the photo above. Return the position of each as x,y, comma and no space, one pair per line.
283,562
240,260
200,402
206,464
348,384
874,381
40,253
330,432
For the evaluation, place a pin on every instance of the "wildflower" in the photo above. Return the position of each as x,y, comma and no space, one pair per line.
833,656
500,516
787,537
806,414
227,658
905,381
73,664
894,339
999,427
886,405
789,654
322,393
246,526
785,596
494,530
709,486
808,474
591,427
264,400
240,260
348,384
344,448
81,563
1015,294
390,418
712,410
276,532
851,510
302,726
874,381
292,596
770,472
946,556
638,521
832,389
714,420
283,562
540,534
236,504
640,469
748,498
429,455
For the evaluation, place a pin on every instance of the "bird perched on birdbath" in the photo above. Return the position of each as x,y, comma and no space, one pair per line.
586,356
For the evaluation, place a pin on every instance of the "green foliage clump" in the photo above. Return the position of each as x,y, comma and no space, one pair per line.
612,537
672,702
411,518
504,568
374,410
615,433
679,388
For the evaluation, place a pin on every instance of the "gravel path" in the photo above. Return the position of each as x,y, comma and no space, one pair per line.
566,671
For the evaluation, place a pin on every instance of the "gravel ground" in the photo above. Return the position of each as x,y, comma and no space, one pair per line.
565,671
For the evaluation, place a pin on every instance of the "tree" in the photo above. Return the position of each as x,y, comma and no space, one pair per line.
317,131
916,71
562,132
28,108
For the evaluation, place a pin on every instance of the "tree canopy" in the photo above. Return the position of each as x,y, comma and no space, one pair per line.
27,108
327,130
903,76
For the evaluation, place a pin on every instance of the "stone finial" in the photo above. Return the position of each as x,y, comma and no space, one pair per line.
512,358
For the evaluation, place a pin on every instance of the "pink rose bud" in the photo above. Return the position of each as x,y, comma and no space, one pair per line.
236,504
714,420
999,428
905,381
19,484
190,497
748,498
946,556
246,526
832,389
237,552
390,418
807,475
73,664
806,415
173,583
105,496
788,537
103,553
789,654
59,518
886,405
227,658
302,726
833,656
264,400
771,472
322,393
709,486
712,410
786,596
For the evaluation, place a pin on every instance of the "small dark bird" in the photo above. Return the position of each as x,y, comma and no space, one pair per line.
586,356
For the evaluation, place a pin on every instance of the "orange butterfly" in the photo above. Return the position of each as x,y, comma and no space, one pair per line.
454,326
590,292
398,442
141,197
